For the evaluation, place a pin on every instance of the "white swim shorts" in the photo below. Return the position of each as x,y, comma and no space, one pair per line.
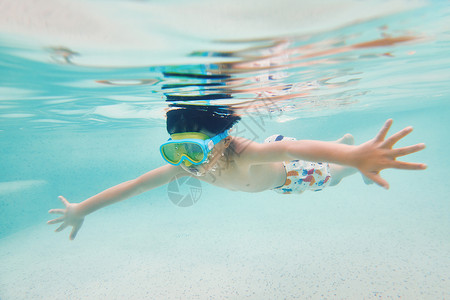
302,175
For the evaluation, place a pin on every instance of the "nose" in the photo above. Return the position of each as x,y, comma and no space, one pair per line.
187,163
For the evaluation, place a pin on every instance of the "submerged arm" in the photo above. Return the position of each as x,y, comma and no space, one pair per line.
128,189
74,213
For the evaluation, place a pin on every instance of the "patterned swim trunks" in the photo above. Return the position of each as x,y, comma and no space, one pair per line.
302,175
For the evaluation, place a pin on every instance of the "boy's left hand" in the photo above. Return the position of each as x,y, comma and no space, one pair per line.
377,154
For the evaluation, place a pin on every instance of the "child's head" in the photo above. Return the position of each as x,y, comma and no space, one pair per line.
211,121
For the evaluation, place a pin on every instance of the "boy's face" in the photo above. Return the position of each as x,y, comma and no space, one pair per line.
212,159
196,152
210,163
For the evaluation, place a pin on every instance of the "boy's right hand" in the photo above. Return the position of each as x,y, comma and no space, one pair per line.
71,217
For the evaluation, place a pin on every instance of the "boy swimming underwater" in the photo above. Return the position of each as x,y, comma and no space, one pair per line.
201,146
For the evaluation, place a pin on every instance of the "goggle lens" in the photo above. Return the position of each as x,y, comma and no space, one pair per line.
174,152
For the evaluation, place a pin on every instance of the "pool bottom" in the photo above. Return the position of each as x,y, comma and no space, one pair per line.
340,243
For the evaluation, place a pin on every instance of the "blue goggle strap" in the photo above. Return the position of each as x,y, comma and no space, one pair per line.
215,140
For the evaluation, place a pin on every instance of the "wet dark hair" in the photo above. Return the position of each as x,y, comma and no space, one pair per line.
194,118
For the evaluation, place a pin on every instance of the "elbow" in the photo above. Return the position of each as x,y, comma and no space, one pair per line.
137,186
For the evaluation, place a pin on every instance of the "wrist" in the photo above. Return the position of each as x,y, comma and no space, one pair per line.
352,156
78,210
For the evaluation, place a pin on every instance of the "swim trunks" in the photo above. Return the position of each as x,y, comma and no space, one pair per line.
302,175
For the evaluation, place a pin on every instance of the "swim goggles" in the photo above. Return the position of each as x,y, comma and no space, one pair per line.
193,147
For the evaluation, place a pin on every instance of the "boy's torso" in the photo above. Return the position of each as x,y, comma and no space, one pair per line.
233,173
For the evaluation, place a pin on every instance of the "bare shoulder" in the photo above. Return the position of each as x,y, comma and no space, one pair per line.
245,150
242,146
251,152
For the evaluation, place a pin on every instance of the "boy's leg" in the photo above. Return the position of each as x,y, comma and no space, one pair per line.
338,172
347,139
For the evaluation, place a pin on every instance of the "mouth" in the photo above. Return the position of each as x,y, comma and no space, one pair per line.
194,170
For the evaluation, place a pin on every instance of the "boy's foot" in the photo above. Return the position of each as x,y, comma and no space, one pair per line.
367,180
347,139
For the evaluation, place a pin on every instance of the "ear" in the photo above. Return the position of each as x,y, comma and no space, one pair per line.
227,142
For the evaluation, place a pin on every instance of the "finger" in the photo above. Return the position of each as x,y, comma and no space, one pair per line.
382,134
57,211
64,201
390,142
74,232
377,179
62,227
57,220
408,166
407,150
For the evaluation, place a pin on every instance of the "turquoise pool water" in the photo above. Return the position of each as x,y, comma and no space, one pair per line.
82,104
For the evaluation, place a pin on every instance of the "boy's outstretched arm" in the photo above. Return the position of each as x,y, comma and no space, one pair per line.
369,158
74,213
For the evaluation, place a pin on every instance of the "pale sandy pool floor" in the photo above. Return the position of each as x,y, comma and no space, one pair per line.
310,248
